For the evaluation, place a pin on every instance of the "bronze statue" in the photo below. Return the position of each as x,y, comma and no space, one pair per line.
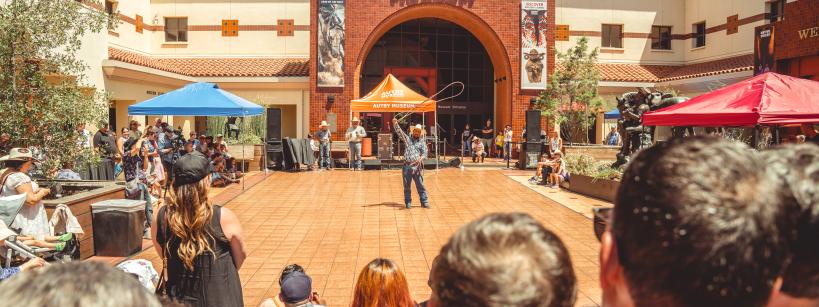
632,105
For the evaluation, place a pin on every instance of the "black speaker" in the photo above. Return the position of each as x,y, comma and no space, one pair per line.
274,124
533,126
529,155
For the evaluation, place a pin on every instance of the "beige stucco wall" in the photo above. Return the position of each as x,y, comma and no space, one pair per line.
720,44
247,12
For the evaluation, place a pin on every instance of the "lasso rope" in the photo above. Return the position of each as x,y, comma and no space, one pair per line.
401,116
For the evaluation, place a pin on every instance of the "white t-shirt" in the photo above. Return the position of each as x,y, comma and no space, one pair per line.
31,220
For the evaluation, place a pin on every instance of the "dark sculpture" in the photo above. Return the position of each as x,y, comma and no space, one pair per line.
232,128
632,105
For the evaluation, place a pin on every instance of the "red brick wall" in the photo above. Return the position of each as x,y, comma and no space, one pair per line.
363,17
799,15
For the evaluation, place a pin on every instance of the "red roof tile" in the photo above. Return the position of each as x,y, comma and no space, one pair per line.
217,67
660,73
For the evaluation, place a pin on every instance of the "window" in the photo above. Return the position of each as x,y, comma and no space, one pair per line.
176,29
699,34
776,10
109,7
661,37
612,36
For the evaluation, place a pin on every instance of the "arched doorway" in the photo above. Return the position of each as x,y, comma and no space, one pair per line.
427,54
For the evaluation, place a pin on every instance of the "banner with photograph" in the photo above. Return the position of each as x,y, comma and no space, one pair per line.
533,26
764,49
330,46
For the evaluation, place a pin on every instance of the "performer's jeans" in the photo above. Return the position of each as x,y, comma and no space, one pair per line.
324,155
355,154
410,174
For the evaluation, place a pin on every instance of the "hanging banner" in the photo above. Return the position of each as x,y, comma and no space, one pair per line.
764,49
533,27
330,47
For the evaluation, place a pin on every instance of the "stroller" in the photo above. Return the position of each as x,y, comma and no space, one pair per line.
14,251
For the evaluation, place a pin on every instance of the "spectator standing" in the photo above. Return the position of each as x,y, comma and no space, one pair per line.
696,222
323,136
487,134
193,138
107,147
555,143
354,135
136,183
84,136
31,220
499,145
382,284
507,142
167,150
466,142
201,243
134,134
613,138
504,259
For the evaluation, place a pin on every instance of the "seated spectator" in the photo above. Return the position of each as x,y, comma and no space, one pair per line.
546,170
382,284
6,273
67,173
296,290
695,223
230,162
504,259
797,167
478,151
76,283
56,243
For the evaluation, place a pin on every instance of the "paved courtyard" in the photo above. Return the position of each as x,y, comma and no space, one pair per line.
334,222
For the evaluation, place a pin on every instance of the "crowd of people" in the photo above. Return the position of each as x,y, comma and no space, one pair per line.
700,221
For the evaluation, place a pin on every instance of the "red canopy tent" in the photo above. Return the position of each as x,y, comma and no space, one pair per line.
767,99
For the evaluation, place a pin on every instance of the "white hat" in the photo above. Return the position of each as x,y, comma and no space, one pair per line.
417,127
355,119
557,152
18,154
323,124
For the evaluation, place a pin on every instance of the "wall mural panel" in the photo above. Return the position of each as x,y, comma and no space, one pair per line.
533,29
330,63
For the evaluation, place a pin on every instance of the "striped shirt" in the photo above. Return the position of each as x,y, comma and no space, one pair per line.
416,148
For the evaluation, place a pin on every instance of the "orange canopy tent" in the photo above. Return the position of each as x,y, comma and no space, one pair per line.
393,96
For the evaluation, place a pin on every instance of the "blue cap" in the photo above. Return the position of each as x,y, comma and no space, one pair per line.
296,287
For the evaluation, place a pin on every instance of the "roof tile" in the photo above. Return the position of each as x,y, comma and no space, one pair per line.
660,73
217,67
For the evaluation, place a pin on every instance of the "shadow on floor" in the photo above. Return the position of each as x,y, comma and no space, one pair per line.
386,204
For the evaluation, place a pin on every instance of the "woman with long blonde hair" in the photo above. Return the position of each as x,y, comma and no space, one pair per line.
382,284
200,243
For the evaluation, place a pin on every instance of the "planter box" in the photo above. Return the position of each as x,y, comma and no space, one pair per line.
604,189
598,152
252,155
80,204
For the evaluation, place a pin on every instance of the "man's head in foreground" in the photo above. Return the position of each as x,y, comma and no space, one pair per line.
504,259
694,224
797,168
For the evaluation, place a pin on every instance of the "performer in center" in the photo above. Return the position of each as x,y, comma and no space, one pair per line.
414,155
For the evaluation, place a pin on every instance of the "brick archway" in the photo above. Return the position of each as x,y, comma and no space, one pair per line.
467,20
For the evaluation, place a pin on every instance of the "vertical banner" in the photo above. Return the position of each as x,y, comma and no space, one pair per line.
764,49
330,48
533,27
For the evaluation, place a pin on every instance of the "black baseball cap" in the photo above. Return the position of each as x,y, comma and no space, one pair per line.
190,168
296,287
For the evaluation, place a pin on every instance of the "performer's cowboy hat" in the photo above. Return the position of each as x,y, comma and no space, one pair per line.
355,119
417,127
323,124
18,154
475,139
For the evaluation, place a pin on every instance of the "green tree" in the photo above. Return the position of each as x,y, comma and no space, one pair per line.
43,87
571,96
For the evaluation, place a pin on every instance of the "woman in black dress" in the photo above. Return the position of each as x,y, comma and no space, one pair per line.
202,242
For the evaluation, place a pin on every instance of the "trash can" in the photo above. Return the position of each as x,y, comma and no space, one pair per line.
118,226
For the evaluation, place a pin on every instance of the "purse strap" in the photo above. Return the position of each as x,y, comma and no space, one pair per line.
163,279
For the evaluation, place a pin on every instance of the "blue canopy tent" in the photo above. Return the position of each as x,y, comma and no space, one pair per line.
613,114
197,99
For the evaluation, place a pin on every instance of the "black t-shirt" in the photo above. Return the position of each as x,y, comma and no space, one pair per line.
488,135
105,143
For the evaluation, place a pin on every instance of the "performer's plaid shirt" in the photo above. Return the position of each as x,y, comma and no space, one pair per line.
416,149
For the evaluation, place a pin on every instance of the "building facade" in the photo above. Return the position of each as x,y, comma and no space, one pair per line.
309,58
